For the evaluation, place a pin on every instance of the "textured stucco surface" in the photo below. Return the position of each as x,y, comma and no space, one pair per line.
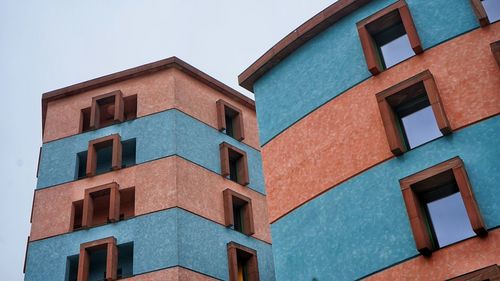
160,184
163,239
333,61
171,274
155,92
159,135
346,135
361,226
452,261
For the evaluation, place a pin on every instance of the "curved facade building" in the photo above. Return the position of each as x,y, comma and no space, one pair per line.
380,132
152,173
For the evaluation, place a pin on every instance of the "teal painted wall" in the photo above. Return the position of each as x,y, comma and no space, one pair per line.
161,240
361,225
333,61
167,133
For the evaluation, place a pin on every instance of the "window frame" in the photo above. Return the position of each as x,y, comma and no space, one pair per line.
392,128
238,129
480,12
242,170
116,157
382,19
109,244
248,222
88,203
416,212
232,256
495,50
486,273
119,115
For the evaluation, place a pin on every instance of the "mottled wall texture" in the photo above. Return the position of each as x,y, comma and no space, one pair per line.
178,227
335,202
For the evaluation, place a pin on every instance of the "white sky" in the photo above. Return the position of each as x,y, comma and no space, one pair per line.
46,45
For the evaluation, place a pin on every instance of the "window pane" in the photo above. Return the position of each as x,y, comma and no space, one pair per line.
396,51
492,8
450,220
420,127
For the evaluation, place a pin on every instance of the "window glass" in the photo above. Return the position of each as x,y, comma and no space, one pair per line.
449,219
396,51
492,8
420,127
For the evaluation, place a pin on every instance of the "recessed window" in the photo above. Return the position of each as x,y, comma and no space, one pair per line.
103,204
101,260
243,264
412,113
487,11
108,109
238,212
441,206
495,50
230,120
234,163
388,37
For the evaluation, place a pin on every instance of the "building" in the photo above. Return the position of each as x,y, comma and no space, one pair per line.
379,128
152,173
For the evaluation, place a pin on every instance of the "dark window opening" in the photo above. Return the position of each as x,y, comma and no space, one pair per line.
97,265
100,207
81,164
127,203
72,268
77,215
106,113
125,260
231,117
128,152
85,120
238,218
234,163
130,107
243,265
233,167
238,212
230,120
104,155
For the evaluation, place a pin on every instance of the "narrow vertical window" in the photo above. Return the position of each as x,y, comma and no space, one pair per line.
388,37
243,265
238,212
441,206
495,50
412,113
230,120
98,258
234,163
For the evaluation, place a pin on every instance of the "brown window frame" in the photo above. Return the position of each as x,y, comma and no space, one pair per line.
480,12
412,185
400,93
116,158
233,249
491,272
231,198
109,244
88,203
242,169
495,50
238,130
119,115
393,14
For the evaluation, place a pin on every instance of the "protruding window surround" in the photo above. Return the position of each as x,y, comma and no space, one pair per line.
94,145
238,207
109,244
230,120
242,262
234,163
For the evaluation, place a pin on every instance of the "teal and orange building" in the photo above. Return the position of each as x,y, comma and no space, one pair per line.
380,139
152,173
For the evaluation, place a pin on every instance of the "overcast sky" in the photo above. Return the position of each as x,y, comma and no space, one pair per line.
46,45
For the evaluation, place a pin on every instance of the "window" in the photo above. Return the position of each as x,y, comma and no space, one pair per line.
108,109
441,206
101,260
388,37
98,258
487,11
495,49
230,120
491,272
103,204
238,212
412,113
242,263
233,163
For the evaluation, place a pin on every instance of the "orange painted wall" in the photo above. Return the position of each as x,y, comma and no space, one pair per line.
156,92
449,262
161,184
345,136
171,274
